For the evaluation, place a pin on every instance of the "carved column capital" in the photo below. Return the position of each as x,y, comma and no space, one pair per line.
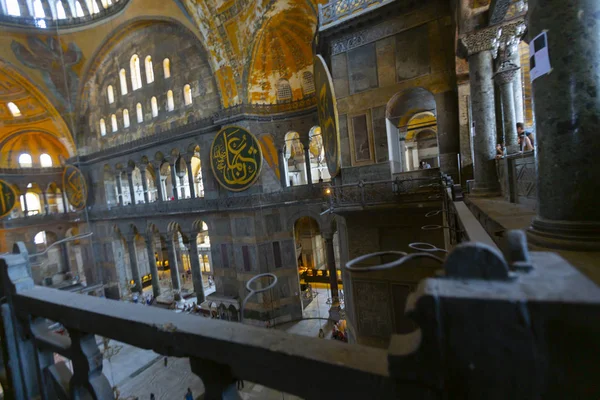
506,73
493,38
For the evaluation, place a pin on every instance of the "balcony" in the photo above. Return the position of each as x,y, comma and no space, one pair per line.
39,219
337,11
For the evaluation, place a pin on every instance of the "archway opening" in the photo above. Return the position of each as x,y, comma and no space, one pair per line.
183,186
31,203
310,258
138,186
166,182
50,269
197,173
421,143
55,200
318,164
205,258
295,165
110,188
151,183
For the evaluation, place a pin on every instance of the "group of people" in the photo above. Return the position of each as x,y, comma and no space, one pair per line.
424,165
145,299
525,139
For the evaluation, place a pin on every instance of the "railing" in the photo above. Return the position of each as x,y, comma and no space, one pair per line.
267,109
517,178
8,222
335,10
293,195
31,171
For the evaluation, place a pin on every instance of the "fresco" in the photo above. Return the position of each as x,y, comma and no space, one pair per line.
56,63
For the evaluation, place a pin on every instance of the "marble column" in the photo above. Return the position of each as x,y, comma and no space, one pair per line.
46,205
307,162
330,254
133,263
479,46
282,169
160,196
145,185
567,108
195,266
131,188
25,208
174,181
175,280
515,58
65,202
65,255
119,188
190,175
152,262
504,77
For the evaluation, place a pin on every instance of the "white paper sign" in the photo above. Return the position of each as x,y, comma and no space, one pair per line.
539,58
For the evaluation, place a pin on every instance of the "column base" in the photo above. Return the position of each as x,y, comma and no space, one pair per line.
565,235
485,191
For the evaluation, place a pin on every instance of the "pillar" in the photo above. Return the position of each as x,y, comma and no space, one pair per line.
65,254
25,208
515,58
160,196
307,162
46,205
173,265
65,202
119,188
505,77
283,175
133,263
394,148
478,47
567,108
174,181
145,185
195,266
152,262
190,175
131,188
330,254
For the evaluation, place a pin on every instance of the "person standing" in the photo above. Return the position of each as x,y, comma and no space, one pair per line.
521,130
189,395
152,396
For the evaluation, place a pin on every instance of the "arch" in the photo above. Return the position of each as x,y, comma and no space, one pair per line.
102,127
149,70
106,3
139,112
123,81
154,105
113,123
170,101
60,10
110,94
295,165
136,76
34,143
292,219
125,118
187,95
31,200
55,200
78,10
167,68
318,164
38,9
25,160
45,160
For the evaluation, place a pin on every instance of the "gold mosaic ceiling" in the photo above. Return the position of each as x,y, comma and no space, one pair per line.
255,43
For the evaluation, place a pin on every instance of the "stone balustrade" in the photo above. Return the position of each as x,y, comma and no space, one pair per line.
337,10
516,173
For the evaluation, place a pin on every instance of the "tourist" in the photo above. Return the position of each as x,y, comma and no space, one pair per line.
521,130
525,143
152,396
189,395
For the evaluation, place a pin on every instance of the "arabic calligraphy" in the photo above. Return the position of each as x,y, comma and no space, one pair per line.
236,158
8,198
75,187
328,119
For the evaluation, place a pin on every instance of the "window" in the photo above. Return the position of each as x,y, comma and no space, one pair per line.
167,68
123,79
12,8
308,83
92,6
187,95
25,161
125,118
136,77
106,3
14,110
78,9
170,102
60,10
140,113
154,107
284,91
113,120
40,238
102,127
111,94
45,161
38,9
149,70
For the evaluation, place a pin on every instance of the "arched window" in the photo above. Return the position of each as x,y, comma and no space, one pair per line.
167,68
25,161
60,10
170,102
92,6
154,104
136,76
187,95
149,70
125,118
45,161
102,127
78,9
123,79
284,90
106,3
40,238
113,120
38,9
12,8
140,113
308,83
14,110
111,94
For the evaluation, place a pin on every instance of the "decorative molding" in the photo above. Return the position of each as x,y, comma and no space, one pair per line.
492,38
506,73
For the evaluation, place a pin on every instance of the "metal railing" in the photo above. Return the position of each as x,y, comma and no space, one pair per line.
338,9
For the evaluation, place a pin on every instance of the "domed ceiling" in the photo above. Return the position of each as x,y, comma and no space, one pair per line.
255,43
35,114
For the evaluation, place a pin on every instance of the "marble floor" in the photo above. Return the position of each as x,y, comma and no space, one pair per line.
137,372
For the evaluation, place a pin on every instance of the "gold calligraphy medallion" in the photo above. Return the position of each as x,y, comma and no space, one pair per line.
235,158
75,187
8,198
328,115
